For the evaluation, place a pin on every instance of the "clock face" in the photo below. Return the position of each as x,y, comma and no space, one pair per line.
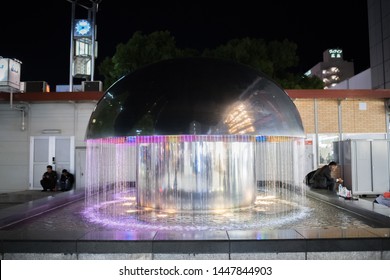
82,28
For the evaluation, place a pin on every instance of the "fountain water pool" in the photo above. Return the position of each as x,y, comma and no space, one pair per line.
267,212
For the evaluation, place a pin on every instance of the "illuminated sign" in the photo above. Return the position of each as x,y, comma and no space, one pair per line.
336,53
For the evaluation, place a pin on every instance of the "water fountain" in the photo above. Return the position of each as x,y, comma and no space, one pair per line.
191,140
195,159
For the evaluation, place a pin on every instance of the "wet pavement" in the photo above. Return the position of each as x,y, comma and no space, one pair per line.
8,199
50,224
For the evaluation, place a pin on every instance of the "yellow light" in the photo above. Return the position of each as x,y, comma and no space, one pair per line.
127,203
161,215
132,198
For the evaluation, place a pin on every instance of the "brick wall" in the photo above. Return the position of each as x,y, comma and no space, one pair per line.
358,115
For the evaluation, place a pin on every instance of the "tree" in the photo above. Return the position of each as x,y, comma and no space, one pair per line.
139,51
275,59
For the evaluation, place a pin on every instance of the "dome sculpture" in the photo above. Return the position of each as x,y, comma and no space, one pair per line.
195,96
186,133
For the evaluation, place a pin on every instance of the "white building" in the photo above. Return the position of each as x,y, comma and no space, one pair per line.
37,129
359,81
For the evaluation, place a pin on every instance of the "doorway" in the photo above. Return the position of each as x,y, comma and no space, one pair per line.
80,167
57,151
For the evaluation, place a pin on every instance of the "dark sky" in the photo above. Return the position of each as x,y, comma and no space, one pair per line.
38,32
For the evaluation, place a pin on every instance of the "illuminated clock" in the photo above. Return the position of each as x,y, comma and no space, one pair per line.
82,28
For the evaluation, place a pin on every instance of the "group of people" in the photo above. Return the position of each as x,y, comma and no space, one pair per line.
49,181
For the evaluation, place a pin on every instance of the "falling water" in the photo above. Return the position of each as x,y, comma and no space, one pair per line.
195,181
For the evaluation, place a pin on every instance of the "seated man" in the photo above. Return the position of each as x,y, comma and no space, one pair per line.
322,178
49,179
66,180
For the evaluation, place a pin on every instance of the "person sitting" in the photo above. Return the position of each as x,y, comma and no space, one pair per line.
322,178
66,180
49,179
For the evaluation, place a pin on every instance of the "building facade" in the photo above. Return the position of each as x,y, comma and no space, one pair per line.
330,116
333,69
38,129
379,36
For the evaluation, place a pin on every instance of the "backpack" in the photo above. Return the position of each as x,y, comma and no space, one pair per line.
308,177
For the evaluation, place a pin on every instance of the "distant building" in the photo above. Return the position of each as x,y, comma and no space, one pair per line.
333,69
378,75
359,81
379,36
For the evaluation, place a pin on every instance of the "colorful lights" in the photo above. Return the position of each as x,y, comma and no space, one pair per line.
189,138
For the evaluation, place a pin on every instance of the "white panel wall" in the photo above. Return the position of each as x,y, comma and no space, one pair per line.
52,116
14,150
83,113
71,118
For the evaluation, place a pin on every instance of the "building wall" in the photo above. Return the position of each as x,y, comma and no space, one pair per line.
359,81
360,118
379,41
306,110
14,150
327,115
70,118
324,71
363,116
357,115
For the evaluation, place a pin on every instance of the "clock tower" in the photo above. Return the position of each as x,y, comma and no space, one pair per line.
83,49
82,28
83,54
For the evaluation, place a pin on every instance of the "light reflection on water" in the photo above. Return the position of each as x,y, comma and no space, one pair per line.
278,211
272,214
267,212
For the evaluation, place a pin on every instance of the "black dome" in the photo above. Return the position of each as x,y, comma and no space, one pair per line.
195,96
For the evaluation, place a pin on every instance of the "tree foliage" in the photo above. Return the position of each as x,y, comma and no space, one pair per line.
275,59
139,51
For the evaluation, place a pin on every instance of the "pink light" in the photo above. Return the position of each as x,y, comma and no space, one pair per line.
150,139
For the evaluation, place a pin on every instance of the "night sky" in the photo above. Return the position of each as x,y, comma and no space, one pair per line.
38,32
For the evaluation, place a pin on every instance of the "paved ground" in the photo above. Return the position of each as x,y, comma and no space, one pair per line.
8,199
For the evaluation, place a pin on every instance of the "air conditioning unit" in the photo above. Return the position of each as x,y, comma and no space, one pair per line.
36,86
91,86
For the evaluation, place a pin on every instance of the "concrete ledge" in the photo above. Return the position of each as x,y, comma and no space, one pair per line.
378,214
20,212
334,241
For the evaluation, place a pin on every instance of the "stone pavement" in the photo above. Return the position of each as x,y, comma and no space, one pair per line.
8,199
21,205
